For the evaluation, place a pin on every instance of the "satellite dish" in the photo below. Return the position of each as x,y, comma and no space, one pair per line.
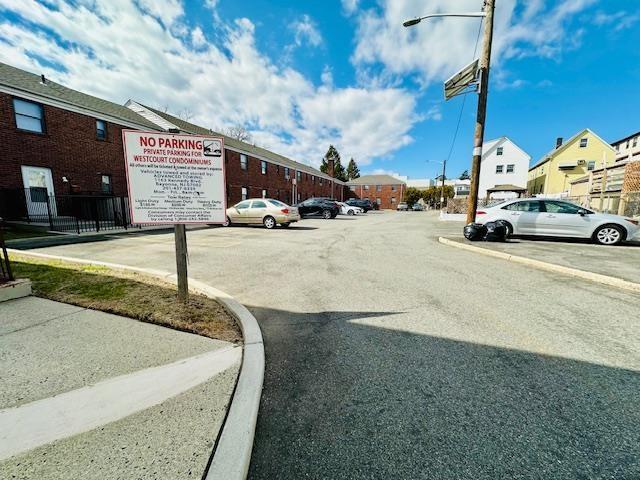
461,80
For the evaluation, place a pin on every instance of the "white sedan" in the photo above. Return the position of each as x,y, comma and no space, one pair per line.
557,218
349,209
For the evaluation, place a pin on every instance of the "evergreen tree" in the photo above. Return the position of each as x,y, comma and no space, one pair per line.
352,170
332,153
465,175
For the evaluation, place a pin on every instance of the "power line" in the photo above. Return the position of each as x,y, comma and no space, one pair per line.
464,100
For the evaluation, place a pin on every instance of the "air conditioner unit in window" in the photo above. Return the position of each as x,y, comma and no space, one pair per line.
581,162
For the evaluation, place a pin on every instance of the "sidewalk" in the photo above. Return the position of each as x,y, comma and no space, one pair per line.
619,261
131,399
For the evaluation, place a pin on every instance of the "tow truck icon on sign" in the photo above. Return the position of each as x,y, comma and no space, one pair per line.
212,148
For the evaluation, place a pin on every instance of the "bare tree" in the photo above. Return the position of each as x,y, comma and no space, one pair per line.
239,133
185,114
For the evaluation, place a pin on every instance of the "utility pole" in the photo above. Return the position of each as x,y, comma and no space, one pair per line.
485,61
444,169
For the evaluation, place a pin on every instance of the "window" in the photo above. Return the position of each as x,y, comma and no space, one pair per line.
258,204
352,188
263,167
510,168
299,175
107,187
244,193
29,116
243,205
277,203
617,147
499,150
378,188
393,199
366,187
264,193
286,172
591,164
243,161
583,142
378,200
526,206
499,168
635,141
561,207
277,168
393,188
313,179
101,130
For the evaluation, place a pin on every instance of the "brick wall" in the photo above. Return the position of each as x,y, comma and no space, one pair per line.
69,147
389,195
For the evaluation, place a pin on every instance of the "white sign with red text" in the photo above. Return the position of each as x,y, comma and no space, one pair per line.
174,178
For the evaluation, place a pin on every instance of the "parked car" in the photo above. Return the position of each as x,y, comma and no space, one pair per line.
318,207
349,209
265,211
417,207
402,207
364,204
558,218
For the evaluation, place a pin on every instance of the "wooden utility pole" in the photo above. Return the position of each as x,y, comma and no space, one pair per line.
181,263
485,61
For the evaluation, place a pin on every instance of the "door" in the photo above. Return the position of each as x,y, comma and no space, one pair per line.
562,219
38,186
257,211
240,213
524,216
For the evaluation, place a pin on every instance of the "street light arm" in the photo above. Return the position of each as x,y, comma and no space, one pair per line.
415,21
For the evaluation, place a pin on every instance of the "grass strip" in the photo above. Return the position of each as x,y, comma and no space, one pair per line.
126,293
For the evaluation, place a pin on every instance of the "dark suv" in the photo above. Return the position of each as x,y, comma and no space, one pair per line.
365,204
318,207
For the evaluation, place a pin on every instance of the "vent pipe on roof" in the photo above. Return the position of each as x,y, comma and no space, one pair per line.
43,79
559,141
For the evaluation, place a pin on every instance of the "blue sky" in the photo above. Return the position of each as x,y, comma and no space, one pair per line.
302,74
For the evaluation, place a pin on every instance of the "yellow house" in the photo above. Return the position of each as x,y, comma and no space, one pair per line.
575,158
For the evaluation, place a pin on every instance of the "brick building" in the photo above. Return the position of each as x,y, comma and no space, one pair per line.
385,190
59,142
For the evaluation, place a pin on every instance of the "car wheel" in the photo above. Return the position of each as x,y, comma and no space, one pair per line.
269,222
326,214
285,224
509,228
227,222
609,235
349,212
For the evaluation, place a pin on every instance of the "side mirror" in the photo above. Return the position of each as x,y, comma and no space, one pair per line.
582,212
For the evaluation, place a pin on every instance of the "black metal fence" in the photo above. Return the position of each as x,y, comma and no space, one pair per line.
65,213
5,267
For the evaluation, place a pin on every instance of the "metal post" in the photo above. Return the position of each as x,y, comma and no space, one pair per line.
181,263
485,61
49,212
444,170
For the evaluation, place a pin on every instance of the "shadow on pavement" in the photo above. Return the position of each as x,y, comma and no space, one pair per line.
345,400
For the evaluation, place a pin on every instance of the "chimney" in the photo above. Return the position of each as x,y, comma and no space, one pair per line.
331,167
43,79
559,142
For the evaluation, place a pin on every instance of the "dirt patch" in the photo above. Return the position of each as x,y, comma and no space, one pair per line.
125,293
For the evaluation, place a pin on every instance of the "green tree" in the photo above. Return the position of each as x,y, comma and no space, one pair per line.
352,170
465,175
432,194
339,171
412,195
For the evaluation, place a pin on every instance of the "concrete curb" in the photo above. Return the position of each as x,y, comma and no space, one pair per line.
550,267
232,455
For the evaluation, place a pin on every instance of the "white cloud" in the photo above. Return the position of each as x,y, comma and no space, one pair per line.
350,6
306,32
436,48
150,57
620,20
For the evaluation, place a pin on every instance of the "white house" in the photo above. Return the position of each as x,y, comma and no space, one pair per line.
504,169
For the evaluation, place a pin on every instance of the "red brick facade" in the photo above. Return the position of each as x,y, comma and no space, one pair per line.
387,196
70,148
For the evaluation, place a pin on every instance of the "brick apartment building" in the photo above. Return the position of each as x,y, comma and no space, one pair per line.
384,190
60,142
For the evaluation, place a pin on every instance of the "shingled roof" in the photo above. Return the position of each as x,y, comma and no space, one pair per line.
376,180
29,84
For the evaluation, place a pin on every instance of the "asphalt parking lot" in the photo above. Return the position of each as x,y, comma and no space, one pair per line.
392,356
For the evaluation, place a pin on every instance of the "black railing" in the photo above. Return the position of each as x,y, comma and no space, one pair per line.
66,213
5,266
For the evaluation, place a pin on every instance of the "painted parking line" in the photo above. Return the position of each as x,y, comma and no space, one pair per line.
44,421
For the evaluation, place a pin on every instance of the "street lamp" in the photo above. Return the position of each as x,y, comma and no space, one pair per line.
485,60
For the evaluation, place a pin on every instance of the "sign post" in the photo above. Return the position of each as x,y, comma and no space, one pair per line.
175,179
